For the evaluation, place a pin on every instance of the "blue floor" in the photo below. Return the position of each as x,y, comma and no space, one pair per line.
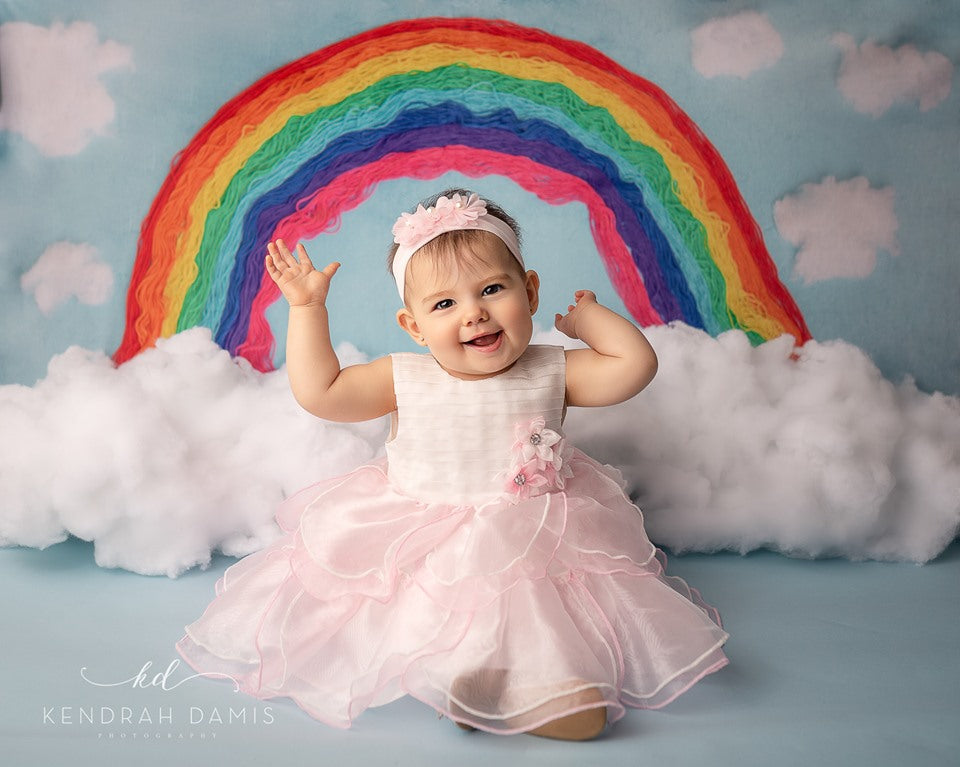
832,663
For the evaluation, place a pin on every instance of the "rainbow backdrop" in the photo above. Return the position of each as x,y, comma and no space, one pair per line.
417,99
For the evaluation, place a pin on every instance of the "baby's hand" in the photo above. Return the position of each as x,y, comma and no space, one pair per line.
567,323
299,281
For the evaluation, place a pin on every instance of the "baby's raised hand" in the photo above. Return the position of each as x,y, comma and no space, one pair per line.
567,323
301,283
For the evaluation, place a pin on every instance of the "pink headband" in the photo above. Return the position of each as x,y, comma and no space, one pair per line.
414,230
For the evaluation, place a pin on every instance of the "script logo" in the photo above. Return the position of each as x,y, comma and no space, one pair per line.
143,680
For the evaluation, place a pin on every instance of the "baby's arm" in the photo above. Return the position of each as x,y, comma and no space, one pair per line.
354,393
620,361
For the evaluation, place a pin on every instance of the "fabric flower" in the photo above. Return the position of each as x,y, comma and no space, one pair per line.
448,213
526,480
535,440
539,460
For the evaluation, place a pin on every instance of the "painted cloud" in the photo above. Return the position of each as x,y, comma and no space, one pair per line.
52,93
66,270
874,77
839,226
737,45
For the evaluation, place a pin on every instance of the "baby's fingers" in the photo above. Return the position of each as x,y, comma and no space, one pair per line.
273,256
562,323
303,257
281,253
276,265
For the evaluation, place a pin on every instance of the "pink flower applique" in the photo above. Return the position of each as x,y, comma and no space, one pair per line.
526,480
457,212
534,440
539,460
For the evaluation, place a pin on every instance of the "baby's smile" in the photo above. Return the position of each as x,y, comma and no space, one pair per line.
487,343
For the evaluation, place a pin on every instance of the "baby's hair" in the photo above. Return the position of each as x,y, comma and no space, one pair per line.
452,245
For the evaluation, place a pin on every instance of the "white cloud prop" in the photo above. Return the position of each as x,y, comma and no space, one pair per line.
838,226
65,270
159,461
183,451
874,77
740,447
735,46
52,93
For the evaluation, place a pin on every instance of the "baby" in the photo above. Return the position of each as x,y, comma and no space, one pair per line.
484,566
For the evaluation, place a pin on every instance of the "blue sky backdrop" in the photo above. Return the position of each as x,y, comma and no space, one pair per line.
839,122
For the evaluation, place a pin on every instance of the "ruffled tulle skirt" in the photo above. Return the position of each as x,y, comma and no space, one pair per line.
503,616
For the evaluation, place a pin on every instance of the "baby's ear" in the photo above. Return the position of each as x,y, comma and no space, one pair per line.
532,285
408,322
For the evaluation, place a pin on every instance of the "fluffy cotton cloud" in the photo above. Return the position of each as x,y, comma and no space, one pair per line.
52,92
183,451
735,46
740,447
874,77
160,461
65,270
838,226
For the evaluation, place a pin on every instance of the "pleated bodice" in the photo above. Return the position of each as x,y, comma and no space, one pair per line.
453,438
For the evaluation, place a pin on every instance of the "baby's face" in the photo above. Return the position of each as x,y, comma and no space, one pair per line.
475,321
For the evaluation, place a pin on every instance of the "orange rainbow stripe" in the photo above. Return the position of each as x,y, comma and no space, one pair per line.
310,141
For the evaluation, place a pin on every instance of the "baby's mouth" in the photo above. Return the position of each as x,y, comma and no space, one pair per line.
484,341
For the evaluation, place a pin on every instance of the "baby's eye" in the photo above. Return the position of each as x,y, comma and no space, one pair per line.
444,304
491,289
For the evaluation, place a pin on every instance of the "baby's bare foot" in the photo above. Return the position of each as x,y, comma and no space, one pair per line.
476,695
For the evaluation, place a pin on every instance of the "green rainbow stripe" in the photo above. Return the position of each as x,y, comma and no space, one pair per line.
292,153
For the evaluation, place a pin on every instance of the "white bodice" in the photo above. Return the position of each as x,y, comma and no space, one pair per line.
452,439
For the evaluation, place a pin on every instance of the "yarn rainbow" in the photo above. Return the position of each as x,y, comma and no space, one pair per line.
418,98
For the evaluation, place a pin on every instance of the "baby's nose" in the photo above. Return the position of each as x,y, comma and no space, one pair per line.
473,314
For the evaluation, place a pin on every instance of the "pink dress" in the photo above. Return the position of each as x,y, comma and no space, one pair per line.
483,567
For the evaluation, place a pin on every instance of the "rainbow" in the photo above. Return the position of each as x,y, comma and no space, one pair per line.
418,98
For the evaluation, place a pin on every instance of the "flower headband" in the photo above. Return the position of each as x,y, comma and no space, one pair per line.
414,230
